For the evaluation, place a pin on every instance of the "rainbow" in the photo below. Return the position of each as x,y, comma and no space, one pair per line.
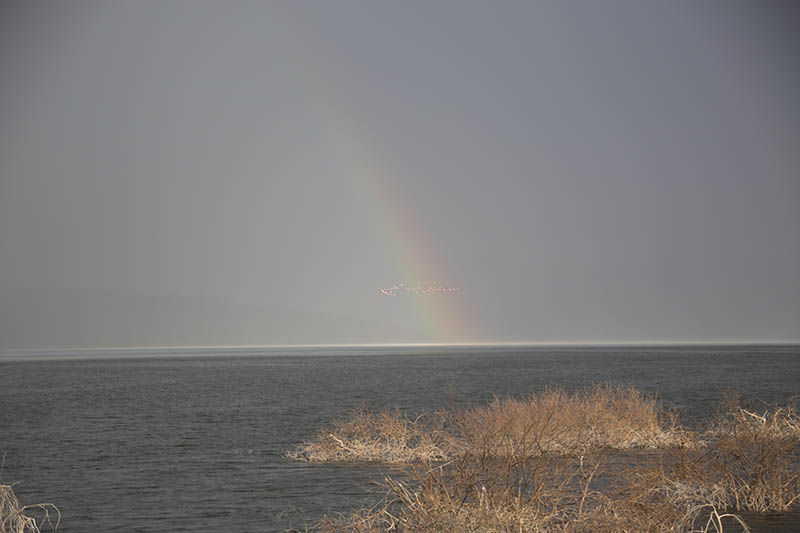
443,317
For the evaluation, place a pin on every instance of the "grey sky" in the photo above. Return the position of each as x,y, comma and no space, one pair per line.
583,171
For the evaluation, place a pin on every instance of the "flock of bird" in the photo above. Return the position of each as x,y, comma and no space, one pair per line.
394,290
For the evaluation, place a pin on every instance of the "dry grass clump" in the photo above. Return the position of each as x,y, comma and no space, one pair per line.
552,493
387,436
751,461
552,421
480,494
604,416
649,497
745,462
16,518
605,459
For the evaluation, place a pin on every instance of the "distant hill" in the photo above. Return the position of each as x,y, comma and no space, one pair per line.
86,318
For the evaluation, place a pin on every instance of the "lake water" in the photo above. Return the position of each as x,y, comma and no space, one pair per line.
194,442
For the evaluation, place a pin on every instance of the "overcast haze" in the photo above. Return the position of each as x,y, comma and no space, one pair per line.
197,173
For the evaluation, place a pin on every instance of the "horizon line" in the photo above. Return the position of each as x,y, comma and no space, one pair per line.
8,353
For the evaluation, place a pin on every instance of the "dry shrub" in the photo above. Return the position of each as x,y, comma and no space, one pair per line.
550,493
645,497
751,461
746,461
16,518
481,494
605,459
387,436
552,421
604,416
524,465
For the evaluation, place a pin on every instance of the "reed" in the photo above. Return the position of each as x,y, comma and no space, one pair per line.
603,416
750,461
18,518
553,493
604,459
386,436
480,494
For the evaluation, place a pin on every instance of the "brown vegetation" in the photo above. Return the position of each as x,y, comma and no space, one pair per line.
385,437
16,518
603,416
605,459
751,461
552,421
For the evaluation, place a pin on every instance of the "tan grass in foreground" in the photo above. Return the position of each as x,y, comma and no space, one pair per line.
552,421
751,461
386,437
16,518
554,493
605,459
603,416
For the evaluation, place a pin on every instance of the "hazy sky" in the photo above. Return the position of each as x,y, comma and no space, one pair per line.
581,171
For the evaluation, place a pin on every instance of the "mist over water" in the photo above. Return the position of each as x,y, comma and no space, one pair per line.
198,173
190,443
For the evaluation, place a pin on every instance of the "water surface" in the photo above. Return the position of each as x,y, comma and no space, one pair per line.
195,442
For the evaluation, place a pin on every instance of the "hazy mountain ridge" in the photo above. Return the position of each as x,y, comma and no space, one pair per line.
86,318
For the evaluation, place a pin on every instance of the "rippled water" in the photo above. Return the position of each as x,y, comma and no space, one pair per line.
194,443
